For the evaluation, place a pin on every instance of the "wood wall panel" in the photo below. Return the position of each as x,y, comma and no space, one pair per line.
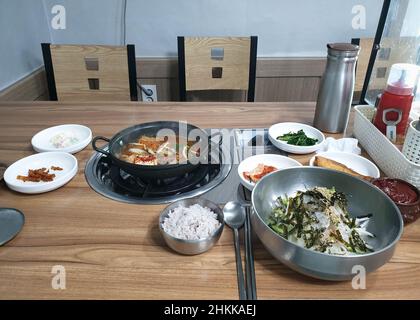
266,67
287,89
167,88
157,68
30,88
290,67
278,79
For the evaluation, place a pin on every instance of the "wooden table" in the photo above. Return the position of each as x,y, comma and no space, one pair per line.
114,250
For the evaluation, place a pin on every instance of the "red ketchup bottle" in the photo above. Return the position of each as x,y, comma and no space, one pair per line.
394,106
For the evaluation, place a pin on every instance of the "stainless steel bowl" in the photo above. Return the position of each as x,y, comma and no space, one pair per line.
386,223
191,247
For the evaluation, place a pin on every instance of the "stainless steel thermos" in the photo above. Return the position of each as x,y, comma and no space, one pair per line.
336,89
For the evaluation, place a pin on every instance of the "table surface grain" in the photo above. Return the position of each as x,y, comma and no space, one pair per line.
112,250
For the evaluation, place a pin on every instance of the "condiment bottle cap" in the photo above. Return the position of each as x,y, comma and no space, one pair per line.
402,79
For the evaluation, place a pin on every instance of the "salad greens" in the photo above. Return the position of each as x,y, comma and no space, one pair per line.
297,138
318,219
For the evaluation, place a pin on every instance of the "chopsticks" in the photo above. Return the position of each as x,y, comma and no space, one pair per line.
251,289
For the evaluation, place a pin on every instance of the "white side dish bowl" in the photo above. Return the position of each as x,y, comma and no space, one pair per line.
279,129
63,160
353,161
275,160
43,140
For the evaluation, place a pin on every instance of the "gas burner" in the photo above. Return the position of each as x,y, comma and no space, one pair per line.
219,183
163,187
114,183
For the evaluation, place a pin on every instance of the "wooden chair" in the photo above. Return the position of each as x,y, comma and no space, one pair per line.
217,63
90,73
362,61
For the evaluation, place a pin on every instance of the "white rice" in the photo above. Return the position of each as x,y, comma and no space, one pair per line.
192,223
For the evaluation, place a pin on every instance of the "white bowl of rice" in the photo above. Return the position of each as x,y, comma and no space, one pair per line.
191,226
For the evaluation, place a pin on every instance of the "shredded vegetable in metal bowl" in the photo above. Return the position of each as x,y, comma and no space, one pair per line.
318,219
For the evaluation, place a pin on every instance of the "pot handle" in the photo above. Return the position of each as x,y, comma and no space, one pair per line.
99,149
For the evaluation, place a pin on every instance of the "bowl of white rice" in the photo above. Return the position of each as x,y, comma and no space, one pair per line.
191,226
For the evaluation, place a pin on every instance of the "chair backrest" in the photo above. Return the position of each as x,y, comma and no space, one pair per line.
365,45
90,72
217,63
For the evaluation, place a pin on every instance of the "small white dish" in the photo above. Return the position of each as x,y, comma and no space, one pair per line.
63,160
353,161
279,129
41,142
275,160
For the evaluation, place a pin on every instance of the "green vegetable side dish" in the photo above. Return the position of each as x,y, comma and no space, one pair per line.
297,138
318,219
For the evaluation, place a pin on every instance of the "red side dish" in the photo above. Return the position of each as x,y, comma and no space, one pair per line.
260,171
399,191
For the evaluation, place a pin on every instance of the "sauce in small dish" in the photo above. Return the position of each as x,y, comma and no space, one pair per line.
398,190
405,196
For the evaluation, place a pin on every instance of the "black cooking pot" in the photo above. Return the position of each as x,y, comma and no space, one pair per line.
153,172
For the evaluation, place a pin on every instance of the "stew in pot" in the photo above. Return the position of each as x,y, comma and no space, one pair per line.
153,151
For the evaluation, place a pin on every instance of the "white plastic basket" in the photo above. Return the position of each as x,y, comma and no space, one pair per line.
411,148
385,154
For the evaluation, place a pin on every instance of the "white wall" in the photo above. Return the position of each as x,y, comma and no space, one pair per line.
284,27
23,27
89,21
411,25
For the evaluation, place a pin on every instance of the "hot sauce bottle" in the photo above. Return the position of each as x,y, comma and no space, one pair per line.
394,105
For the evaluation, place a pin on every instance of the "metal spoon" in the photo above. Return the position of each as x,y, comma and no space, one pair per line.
235,218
